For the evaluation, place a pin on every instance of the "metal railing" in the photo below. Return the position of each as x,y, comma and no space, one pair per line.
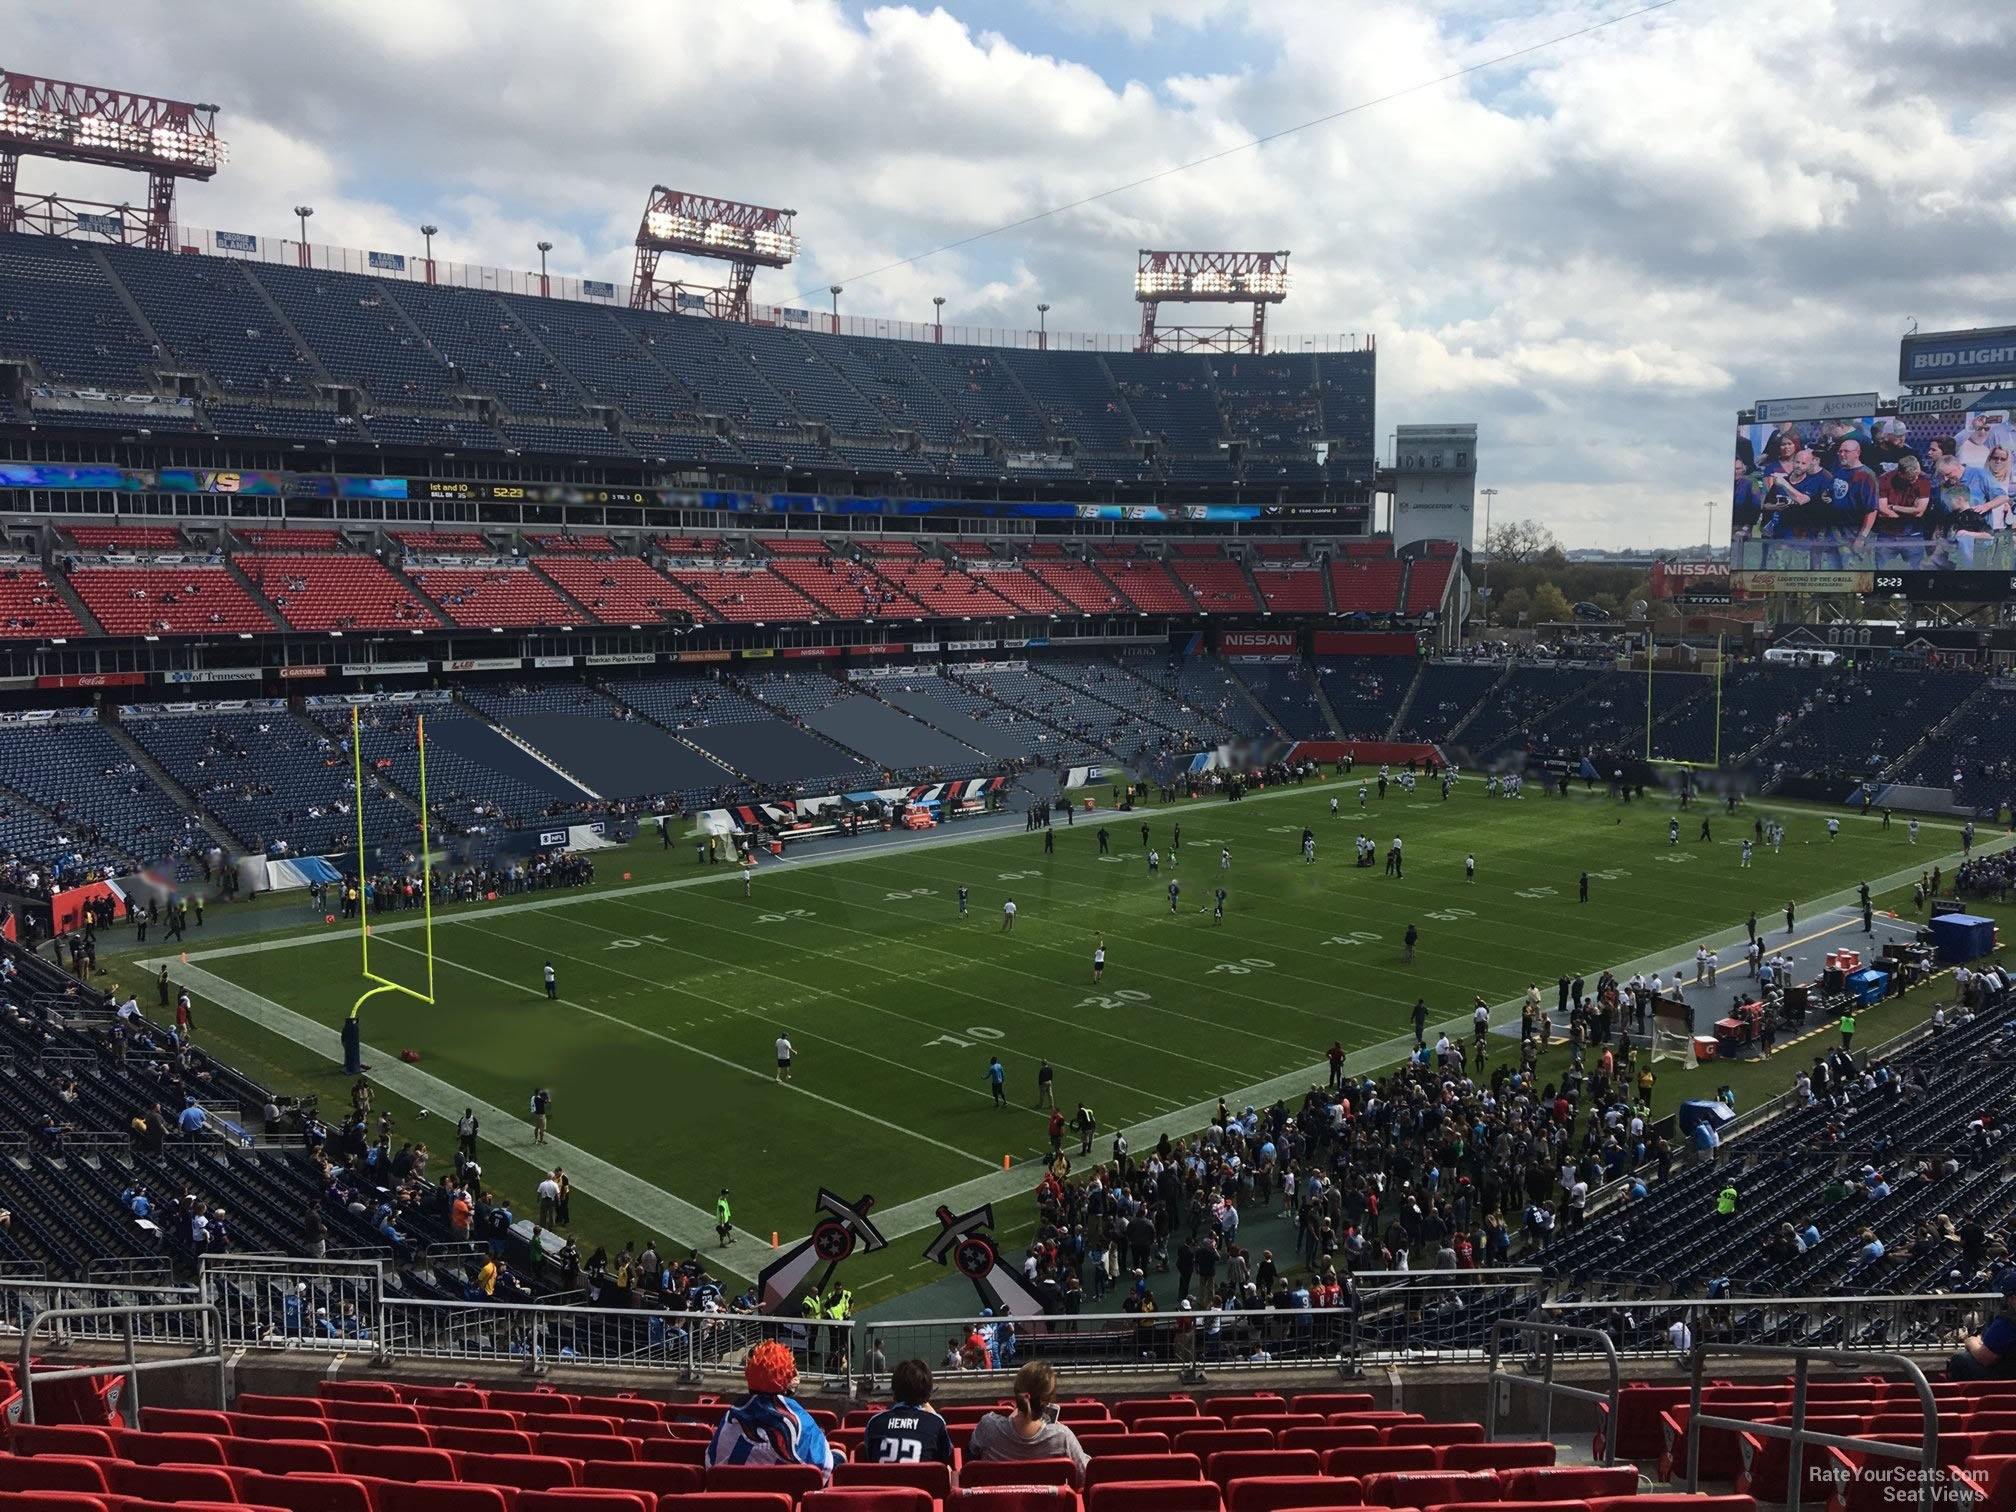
1640,1328
272,1301
1541,1338
1925,1449
119,1322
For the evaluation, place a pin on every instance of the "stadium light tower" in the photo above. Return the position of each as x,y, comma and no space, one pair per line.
428,233
545,289
938,316
1255,278
301,213
745,237
87,123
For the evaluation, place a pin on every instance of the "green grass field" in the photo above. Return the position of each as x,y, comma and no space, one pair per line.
673,987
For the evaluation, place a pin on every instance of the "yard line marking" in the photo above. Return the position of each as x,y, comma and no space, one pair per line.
851,1002
719,1060
631,1195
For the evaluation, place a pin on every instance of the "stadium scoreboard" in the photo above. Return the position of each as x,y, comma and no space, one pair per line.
1954,586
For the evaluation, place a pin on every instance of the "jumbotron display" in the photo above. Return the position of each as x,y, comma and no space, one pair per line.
1923,485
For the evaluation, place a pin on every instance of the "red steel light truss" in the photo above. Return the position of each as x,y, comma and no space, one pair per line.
1255,278
746,237
116,128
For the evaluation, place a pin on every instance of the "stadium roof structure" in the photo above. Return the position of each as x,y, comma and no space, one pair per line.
745,237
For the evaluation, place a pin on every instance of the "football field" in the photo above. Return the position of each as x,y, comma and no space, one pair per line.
673,986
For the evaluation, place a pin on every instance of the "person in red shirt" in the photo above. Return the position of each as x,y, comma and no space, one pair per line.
1056,1132
1902,501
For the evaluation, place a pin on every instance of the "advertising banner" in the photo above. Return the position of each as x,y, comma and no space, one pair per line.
484,664
552,661
1237,643
810,652
622,659
756,653
703,656
595,288
1802,582
93,680
1671,579
382,669
1367,643
302,674
1957,356
1823,407
211,674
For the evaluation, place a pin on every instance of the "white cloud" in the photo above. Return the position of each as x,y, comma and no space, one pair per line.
1602,250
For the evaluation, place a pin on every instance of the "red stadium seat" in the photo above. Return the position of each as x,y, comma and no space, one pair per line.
1332,1436
279,1456
528,1472
388,1435
1508,1454
693,1432
264,1405
1665,1501
657,1480
301,1430
170,1482
1430,1488
543,1400
1232,1408
1228,1465
622,1407
52,1501
61,1438
1011,1499
1566,1482
792,1480
1096,1443
1513,1506
52,1472
395,1462
306,1492
1143,1467
1153,1496
1327,1402
1175,1423
585,1499
936,1479
173,1449
587,1446
726,1501
1379,1458
1084,1411
1031,1472
480,1440
1205,1442
370,1412
450,1397
1284,1493
868,1499
1278,1423
441,1496
467,1417
565,1422
357,1391
1131,1412
1437,1434
184,1420
1637,1426
676,1451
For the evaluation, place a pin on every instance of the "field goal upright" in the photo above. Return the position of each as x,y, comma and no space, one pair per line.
378,983
1681,658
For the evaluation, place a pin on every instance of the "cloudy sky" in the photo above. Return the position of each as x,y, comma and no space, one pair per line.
1598,250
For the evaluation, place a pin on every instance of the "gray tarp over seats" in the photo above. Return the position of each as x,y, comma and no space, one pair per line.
894,739
775,752
616,759
476,741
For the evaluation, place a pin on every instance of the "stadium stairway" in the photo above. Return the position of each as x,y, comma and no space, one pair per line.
252,592
180,795
586,615
1463,720
125,296
293,333
60,581
1895,771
